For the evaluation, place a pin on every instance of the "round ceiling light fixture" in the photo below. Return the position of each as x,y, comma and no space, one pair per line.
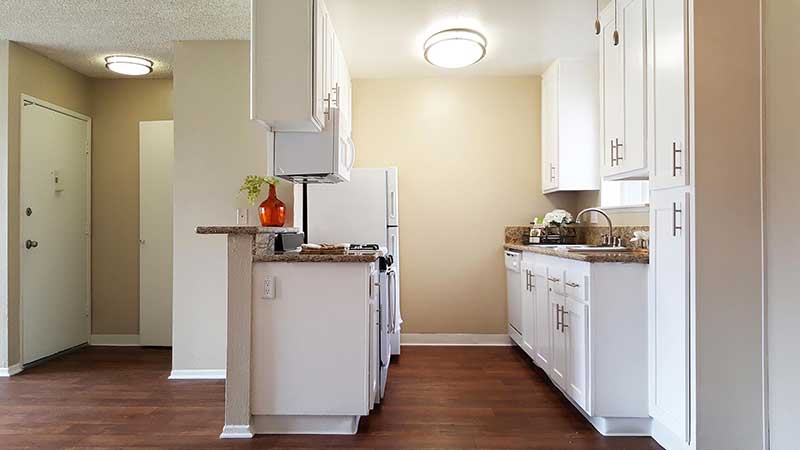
455,48
129,65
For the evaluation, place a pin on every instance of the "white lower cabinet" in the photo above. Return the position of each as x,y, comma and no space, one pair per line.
528,300
586,327
558,364
542,343
670,311
576,323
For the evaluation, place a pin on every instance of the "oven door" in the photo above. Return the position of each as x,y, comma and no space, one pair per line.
386,326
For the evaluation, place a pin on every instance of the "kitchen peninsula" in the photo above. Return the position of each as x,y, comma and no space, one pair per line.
303,337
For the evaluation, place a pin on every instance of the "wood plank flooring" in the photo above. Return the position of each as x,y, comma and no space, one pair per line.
438,397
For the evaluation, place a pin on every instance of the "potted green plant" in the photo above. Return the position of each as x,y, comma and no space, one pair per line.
272,211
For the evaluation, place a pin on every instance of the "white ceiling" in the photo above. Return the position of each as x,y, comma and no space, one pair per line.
384,38
380,38
79,33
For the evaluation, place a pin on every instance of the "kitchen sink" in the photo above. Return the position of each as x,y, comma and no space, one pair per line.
584,248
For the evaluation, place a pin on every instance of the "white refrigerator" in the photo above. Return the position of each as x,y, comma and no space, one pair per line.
361,211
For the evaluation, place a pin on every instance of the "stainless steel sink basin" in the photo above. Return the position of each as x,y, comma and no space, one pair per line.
585,248
589,248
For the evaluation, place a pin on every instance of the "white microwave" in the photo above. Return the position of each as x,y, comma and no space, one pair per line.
308,157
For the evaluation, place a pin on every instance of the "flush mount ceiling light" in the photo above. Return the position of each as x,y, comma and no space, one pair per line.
455,48
129,65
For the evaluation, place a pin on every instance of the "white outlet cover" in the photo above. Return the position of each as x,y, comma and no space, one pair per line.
242,216
269,288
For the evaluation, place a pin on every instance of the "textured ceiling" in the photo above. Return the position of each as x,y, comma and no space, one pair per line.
384,38
79,33
380,38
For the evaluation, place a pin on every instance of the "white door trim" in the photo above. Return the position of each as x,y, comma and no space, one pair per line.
25,98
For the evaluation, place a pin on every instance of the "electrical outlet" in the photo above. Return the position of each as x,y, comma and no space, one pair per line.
269,288
242,216
593,217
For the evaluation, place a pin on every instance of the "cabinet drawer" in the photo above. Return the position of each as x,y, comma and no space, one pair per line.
555,280
576,281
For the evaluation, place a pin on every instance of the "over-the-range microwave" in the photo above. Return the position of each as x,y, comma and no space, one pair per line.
323,157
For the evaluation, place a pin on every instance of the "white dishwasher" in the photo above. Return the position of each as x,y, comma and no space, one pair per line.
514,293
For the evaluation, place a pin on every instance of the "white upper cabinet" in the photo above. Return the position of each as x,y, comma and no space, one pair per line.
569,127
668,93
297,66
623,88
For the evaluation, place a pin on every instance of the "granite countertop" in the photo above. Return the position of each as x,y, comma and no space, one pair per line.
243,229
637,257
301,258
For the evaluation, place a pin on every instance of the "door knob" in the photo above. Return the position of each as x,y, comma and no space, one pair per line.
29,244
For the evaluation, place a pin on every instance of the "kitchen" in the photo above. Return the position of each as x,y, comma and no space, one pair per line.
613,130
467,225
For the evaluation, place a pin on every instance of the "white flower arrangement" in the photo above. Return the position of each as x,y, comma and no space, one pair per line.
558,217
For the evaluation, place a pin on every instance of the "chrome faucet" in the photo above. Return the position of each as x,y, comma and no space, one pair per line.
610,241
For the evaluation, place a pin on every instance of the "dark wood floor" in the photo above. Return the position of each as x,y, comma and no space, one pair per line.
438,397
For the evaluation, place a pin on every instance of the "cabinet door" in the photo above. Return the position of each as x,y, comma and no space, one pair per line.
320,61
669,310
529,313
611,90
543,337
669,93
558,361
550,129
631,153
576,322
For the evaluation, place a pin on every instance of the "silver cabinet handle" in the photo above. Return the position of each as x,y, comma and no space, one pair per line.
675,166
328,100
564,318
554,279
676,209
29,244
337,90
552,172
617,147
558,318
573,285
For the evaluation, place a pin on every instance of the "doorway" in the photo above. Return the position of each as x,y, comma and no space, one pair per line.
156,155
55,199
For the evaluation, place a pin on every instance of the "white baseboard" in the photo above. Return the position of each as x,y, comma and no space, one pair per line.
10,371
304,424
237,432
666,438
115,340
437,339
198,374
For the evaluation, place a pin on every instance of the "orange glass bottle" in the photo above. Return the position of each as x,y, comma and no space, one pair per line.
272,211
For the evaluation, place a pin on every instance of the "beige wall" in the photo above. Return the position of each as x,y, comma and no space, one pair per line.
4,236
782,217
117,108
35,75
216,146
727,225
468,154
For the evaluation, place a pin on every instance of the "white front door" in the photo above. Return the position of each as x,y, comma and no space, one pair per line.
156,146
54,228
